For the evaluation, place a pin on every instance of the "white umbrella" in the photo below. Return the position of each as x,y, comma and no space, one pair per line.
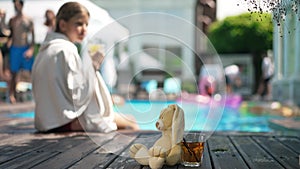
99,18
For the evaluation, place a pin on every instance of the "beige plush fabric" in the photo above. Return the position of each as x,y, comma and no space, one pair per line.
177,125
166,150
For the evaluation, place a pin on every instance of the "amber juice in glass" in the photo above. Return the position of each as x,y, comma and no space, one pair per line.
192,150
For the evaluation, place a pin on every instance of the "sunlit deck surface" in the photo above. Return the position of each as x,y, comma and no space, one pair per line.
22,147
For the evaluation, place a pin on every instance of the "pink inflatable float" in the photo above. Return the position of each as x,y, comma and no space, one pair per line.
231,100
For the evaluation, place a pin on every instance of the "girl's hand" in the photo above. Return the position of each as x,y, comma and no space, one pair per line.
97,59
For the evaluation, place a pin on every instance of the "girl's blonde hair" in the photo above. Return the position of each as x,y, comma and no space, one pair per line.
69,10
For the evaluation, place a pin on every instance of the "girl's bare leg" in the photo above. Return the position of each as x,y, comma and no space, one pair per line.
126,121
122,121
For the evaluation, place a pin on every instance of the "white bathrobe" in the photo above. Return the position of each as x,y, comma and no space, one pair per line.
66,86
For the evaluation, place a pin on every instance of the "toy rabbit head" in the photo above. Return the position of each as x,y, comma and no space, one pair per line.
172,118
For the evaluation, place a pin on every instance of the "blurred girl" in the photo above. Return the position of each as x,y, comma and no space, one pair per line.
69,92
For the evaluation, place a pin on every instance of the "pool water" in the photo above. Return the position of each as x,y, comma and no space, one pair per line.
27,114
197,117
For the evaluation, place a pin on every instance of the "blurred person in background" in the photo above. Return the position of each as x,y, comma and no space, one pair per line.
50,20
264,88
21,44
4,34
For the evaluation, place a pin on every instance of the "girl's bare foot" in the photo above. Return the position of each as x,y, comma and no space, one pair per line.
12,99
126,122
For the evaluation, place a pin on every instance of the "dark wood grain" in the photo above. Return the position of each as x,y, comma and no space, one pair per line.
224,154
253,154
284,155
22,147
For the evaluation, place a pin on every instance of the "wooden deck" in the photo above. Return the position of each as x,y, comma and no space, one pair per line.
22,147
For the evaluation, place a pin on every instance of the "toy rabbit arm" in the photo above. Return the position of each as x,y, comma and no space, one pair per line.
174,156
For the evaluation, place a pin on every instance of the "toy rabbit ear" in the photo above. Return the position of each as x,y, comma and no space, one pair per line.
177,125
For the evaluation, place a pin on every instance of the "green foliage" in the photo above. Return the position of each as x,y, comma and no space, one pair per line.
189,87
36,49
242,33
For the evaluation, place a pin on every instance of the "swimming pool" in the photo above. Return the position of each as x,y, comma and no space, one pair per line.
197,116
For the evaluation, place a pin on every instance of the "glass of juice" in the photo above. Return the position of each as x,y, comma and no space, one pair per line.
192,147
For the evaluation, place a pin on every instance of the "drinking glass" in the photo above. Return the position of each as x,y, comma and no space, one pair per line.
192,149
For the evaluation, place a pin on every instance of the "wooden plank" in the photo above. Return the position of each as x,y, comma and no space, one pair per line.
206,158
253,154
79,150
95,158
20,144
4,136
13,151
28,160
106,154
38,151
21,138
20,127
280,152
124,158
223,153
174,167
70,154
292,142
16,125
